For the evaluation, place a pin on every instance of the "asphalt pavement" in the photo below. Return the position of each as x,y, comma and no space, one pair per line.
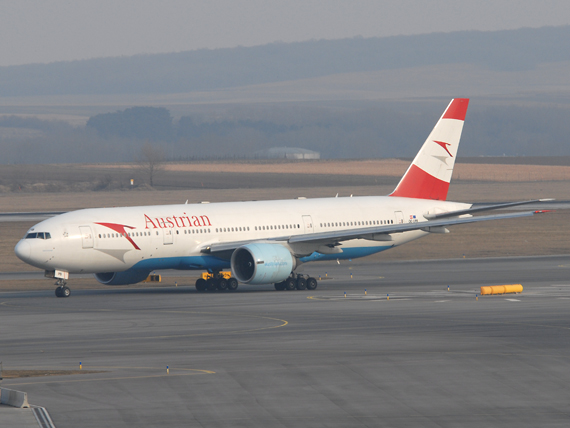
399,350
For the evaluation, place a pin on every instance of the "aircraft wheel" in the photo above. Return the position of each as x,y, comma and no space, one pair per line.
58,292
201,285
290,284
279,286
312,283
232,284
211,285
222,284
65,292
301,283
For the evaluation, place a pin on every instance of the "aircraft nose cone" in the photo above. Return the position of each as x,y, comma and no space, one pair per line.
23,250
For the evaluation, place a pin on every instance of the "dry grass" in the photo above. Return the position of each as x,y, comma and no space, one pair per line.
379,168
15,374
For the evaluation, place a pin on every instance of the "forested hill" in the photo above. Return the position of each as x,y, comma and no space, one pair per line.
225,68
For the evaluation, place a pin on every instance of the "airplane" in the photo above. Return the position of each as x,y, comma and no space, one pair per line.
260,242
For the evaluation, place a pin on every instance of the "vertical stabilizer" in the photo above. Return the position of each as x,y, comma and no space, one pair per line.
429,174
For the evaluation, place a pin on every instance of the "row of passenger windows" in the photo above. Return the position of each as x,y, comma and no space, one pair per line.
135,234
357,223
232,229
38,235
246,228
278,226
191,231
118,235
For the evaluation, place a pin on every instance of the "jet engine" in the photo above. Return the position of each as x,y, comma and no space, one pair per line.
122,278
262,263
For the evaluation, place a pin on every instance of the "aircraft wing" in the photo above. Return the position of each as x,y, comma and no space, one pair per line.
377,233
372,233
483,208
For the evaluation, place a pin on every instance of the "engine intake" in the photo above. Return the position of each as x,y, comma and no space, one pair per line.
262,263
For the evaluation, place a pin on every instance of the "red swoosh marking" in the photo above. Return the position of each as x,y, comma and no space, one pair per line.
120,228
444,145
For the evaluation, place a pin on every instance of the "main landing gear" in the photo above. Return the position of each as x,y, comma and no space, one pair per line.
217,281
62,289
297,282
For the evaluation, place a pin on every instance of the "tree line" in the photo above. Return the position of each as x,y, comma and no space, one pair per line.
358,130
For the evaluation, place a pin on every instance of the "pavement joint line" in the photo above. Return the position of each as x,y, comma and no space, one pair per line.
107,378
86,379
283,323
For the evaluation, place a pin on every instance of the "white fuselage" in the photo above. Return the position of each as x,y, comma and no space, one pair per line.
173,236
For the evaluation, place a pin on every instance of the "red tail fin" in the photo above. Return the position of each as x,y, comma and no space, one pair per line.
429,175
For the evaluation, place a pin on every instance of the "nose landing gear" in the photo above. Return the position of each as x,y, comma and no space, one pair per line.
62,289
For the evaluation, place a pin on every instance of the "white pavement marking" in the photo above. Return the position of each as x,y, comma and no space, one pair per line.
513,300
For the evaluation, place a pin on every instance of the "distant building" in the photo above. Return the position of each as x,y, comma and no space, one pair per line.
287,153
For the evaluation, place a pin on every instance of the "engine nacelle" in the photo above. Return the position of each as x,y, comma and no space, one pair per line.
122,278
262,263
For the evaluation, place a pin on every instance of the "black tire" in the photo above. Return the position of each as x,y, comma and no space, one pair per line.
58,292
312,284
65,292
301,283
201,285
232,284
222,284
211,285
290,284
279,286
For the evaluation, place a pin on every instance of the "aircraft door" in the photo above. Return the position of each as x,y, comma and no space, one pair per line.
308,223
86,236
399,217
168,236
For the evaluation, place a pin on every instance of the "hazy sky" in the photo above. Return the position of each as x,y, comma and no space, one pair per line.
56,30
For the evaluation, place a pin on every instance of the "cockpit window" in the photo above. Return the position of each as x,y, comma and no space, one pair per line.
38,235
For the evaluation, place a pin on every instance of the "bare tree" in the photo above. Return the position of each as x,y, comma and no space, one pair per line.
150,161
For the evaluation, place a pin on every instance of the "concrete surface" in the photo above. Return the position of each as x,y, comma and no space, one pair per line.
261,358
17,418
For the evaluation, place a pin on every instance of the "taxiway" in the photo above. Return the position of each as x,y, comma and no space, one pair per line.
261,358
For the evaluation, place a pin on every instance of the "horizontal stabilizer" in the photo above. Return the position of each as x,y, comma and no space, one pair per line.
481,209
